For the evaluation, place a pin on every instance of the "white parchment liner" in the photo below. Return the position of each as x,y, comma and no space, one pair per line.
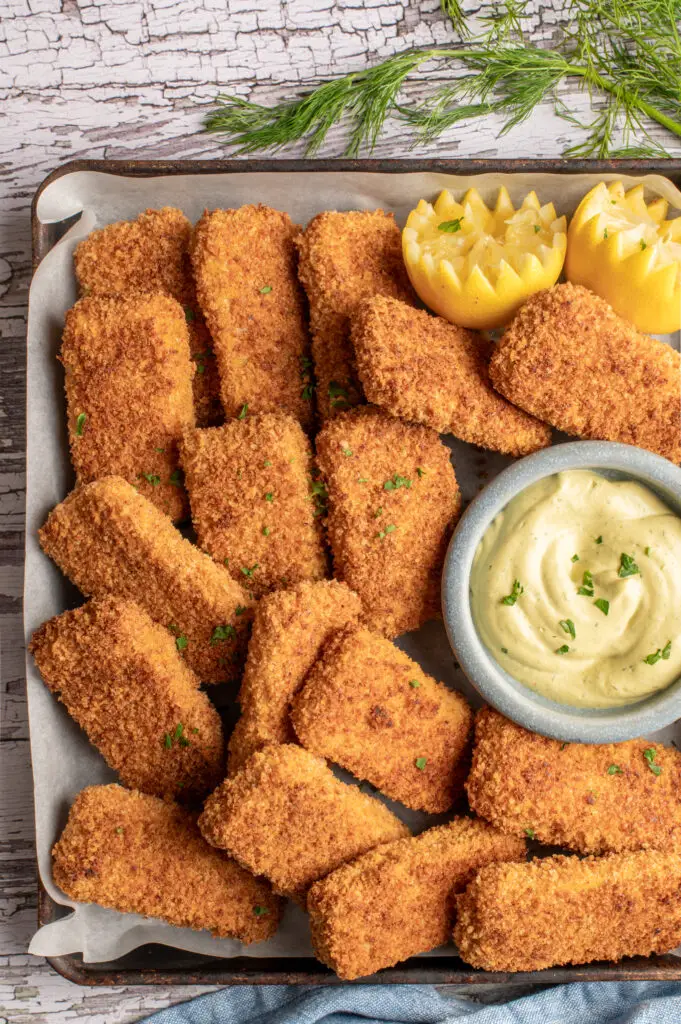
63,760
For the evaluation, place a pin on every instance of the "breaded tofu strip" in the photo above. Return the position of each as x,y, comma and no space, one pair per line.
289,630
151,254
592,798
569,359
138,854
367,706
564,910
128,380
122,679
426,370
344,259
110,540
398,900
393,501
252,506
245,265
287,817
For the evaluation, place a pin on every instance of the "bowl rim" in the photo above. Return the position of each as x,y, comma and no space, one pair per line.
498,688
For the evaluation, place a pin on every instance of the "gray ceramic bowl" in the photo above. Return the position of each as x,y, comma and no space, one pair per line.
501,690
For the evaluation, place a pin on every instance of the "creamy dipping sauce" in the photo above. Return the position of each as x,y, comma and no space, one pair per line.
576,590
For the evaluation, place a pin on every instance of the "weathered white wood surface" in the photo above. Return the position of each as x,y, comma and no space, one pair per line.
125,78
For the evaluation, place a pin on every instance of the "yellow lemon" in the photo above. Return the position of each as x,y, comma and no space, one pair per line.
476,266
628,253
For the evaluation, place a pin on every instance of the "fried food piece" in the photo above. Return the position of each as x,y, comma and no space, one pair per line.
122,679
245,265
564,910
129,393
592,798
249,486
393,501
287,817
569,359
289,630
138,854
344,259
398,900
151,254
426,370
110,540
367,706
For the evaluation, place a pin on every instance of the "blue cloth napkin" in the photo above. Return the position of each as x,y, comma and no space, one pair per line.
625,1002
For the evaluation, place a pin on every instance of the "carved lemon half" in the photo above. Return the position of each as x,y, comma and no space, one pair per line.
628,253
475,266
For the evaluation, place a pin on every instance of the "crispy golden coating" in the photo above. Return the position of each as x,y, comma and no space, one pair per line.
569,359
151,254
138,854
563,910
367,706
289,630
245,266
398,900
393,500
426,370
129,393
110,540
249,486
121,677
592,798
344,259
287,817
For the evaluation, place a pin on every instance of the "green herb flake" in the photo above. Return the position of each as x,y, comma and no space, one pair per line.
563,650
347,452
421,763
644,245
599,540
265,531
605,233
563,746
120,831
239,610
189,314
615,769
414,683
647,552
226,562
307,392
362,480
152,479
628,566
338,395
537,229
179,729
161,450
504,650
378,512
421,472
167,741
266,290
269,496
249,572
194,730
575,558
602,605
529,832
181,642
396,482
384,532
650,755
243,411
661,654
516,591
176,478
568,626
587,587
80,424
221,633
260,911
450,226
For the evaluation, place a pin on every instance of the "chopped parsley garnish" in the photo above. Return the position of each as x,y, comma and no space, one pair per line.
421,472
194,730
388,529
307,392
178,736
378,512
267,463
647,551
396,482
176,478
650,755
161,450
587,587
605,233
338,395
119,831
563,746
243,411
239,610
504,650
615,769
362,480
421,763
599,540
249,572
152,479
516,591
568,626
80,424
537,229
562,650
450,226
259,911
644,245
529,832
319,495
179,729
628,566
222,633
189,314
347,452
661,654
265,531
181,642
266,290
602,605
168,741
226,561
575,558
414,683
269,496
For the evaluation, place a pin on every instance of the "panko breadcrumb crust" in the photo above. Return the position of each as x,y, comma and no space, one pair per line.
128,381
344,259
592,798
287,817
122,679
393,502
249,485
425,370
151,254
138,854
569,359
563,910
108,539
369,708
245,263
289,630
398,900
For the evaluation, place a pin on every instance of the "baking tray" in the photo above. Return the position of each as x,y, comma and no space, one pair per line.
162,965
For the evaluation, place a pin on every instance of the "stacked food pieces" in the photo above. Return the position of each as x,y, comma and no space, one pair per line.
322,508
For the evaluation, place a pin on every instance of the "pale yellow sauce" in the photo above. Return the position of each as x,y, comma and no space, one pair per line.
534,541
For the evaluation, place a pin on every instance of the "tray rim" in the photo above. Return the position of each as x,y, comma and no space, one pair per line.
272,971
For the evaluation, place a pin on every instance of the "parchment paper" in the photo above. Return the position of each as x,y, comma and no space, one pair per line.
63,760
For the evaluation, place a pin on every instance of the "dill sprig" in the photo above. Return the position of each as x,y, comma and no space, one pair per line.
626,54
